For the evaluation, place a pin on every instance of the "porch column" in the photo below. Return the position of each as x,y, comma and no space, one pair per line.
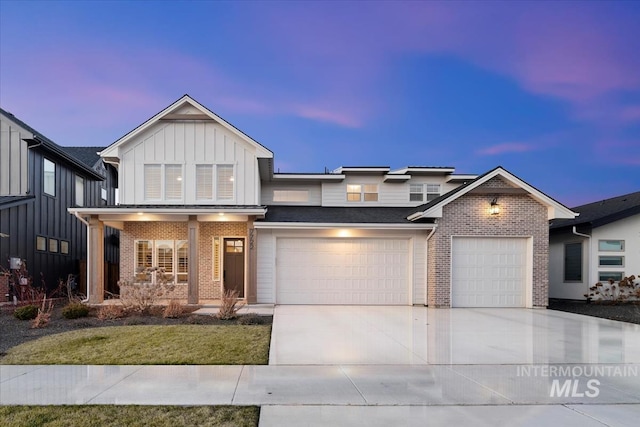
252,258
95,261
194,241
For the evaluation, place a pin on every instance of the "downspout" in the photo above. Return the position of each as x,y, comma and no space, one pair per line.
85,222
588,237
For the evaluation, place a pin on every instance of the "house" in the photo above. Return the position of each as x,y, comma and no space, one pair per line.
602,243
200,199
39,180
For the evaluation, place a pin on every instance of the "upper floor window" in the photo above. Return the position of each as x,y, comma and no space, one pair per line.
224,179
79,191
433,191
224,184
290,195
611,245
49,174
153,182
360,192
173,182
415,193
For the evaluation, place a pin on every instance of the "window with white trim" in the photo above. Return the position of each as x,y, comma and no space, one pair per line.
152,182
79,191
362,192
170,255
611,245
605,276
49,177
204,182
415,193
173,182
371,192
611,261
354,192
224,182
433,191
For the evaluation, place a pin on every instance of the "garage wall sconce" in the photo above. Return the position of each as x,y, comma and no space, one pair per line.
494,208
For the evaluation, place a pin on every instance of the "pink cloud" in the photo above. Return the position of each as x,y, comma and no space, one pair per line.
508,147
341,118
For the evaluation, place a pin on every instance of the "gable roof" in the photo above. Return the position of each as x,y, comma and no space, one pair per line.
111,151
39,140
603,212
433,209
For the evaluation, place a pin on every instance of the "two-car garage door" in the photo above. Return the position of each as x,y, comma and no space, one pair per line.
371,271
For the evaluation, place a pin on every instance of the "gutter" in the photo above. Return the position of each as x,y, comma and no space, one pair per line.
426,264
85,222
588,237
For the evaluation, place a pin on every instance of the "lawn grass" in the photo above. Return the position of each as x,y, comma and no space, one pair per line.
148,345
130,415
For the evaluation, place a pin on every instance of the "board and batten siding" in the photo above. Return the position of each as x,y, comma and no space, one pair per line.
14,156
314,191
189,143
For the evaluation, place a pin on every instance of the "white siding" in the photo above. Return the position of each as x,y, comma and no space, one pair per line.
389,194
315,193
189,143
13,159
627,229
266,267
558,288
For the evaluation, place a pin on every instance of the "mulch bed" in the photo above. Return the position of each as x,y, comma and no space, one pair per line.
627,312
14,332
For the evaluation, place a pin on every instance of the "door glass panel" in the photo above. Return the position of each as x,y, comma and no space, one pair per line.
234,246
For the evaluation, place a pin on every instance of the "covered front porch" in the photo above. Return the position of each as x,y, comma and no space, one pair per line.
201,251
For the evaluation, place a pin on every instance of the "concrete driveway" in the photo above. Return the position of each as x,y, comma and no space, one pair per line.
385,335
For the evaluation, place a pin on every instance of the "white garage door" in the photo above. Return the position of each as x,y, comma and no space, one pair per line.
488,272
342,271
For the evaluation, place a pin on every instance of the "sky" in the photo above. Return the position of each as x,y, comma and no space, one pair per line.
548,90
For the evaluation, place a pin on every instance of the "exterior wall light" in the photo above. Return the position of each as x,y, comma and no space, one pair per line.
494,208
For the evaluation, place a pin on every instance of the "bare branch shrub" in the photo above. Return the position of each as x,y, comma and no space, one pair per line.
229,305
44,314
141,296
111,312
626,290
173,310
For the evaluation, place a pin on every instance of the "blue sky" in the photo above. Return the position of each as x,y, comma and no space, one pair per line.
549,90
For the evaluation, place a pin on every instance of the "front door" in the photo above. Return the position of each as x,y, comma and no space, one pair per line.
233,275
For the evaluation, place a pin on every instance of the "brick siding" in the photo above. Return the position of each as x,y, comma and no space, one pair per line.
520,215
208,288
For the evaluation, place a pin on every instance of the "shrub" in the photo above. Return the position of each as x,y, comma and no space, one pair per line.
27,312
173,310
75,310
251,319
141,296
111,312
229,305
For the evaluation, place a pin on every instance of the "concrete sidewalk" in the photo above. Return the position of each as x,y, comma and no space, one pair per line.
340,395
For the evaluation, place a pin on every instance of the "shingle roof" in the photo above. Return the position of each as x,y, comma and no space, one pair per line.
603,212
87,155
346,215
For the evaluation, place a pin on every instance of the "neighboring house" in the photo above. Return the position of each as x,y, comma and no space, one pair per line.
602,243
39,180
200,199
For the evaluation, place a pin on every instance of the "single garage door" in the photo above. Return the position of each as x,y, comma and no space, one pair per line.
342,271
488,272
